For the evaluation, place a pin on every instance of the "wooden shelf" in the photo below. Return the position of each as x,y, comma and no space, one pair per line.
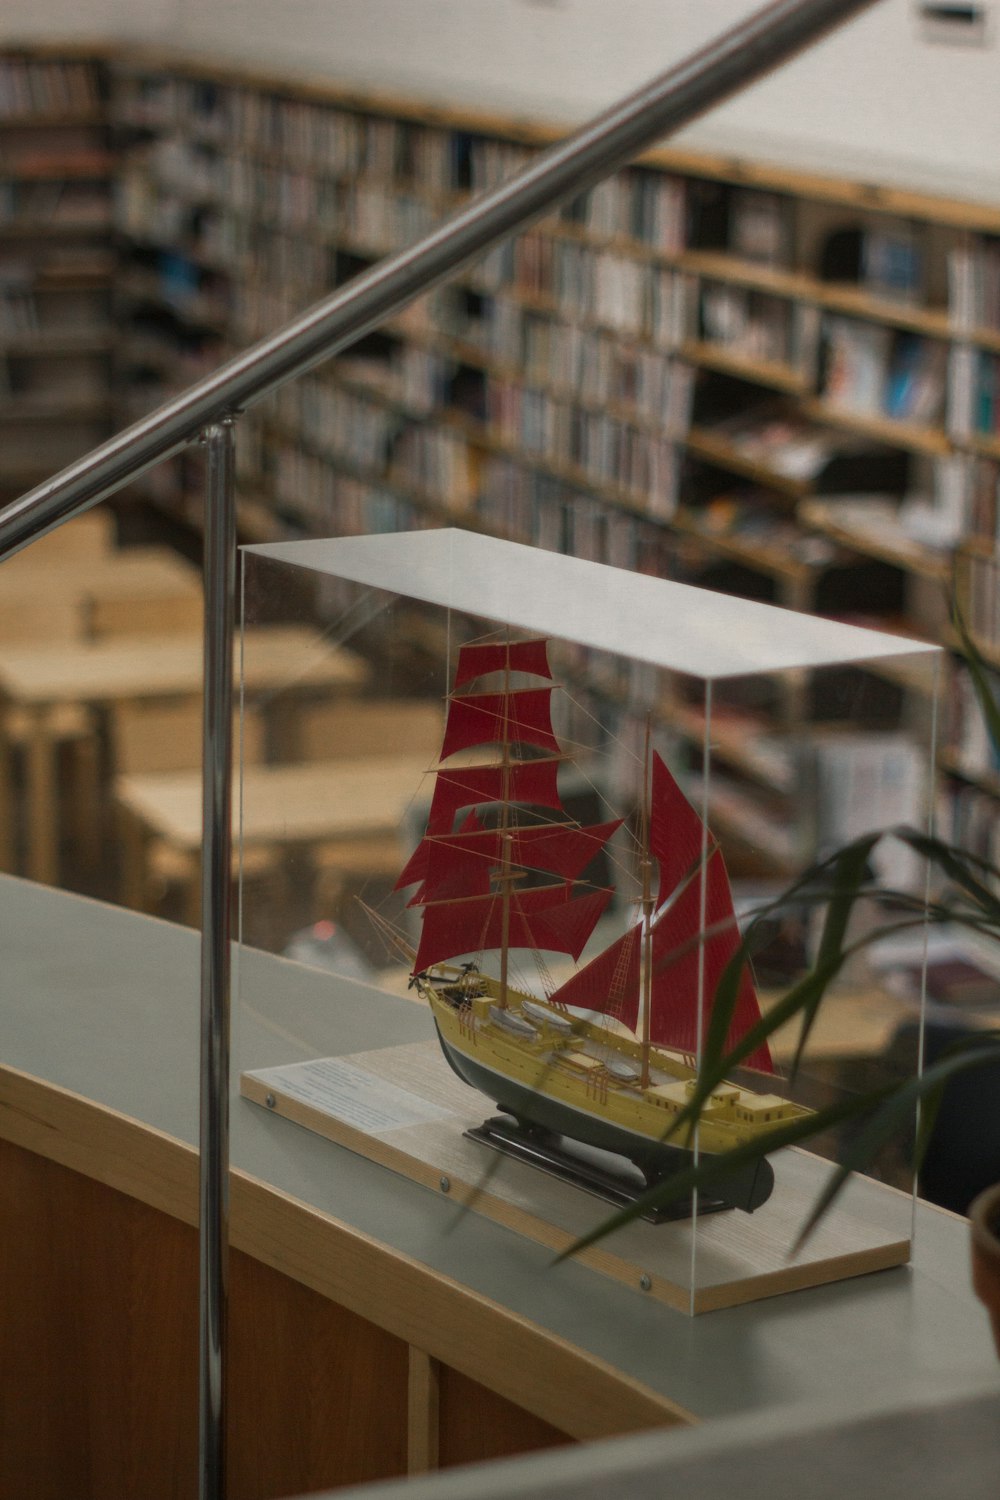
874,540
984,443
49,408
741,746
772,373
63,229
65,171
57,341
757,555
719,266
69,119
910,435
860,303
717,449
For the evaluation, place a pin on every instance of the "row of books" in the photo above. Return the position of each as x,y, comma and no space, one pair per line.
164,101
180,167
867,780
981,502
609,452
562,357
966,736
979,591
314,137
515,499
418,379
974,284
752,324
337,422
603,287
973,392
967,816
380,214
870,370
180,283
333,140
265,257
510,496
593,365
322,139
254,126
18,308
324,502
759,226
650,207
54,203
376,438
891,262
35,87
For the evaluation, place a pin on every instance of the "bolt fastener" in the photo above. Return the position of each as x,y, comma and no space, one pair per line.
270,1101
646,1282
445,1184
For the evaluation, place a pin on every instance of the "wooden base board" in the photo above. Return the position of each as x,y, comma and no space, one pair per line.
403,1108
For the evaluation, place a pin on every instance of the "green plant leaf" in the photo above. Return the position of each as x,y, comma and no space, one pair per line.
849,880
978,672
838,877
960,866
896,1110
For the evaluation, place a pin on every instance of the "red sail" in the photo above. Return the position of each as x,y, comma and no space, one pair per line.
521,717
499,656
610,982
532,783
550,918
675,831
445,881
563,849
452,875
674,1021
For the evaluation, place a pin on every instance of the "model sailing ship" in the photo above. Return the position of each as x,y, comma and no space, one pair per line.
501,867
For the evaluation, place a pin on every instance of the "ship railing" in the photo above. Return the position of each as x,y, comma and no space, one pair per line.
208,412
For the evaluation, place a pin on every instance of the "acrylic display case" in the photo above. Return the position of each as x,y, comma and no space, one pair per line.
553,805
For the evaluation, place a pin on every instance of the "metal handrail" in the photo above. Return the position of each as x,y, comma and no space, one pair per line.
725,65
206,412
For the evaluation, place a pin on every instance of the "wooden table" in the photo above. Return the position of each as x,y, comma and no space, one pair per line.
146,580
39,680
321,802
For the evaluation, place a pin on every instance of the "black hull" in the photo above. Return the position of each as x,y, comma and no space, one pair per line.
746,1189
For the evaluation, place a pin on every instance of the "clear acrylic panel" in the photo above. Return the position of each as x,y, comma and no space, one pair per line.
545,801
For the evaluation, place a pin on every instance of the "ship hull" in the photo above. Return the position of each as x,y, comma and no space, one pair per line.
745,1188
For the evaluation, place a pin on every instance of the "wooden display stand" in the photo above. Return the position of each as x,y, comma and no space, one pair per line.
404,1108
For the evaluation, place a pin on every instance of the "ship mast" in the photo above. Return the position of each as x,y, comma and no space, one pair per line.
646,865
506,876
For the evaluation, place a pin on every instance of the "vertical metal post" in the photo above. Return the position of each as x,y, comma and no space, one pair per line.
216,862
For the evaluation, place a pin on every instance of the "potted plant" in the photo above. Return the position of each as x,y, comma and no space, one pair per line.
970,899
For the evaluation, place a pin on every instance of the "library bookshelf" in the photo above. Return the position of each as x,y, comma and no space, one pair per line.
57,174
707,366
